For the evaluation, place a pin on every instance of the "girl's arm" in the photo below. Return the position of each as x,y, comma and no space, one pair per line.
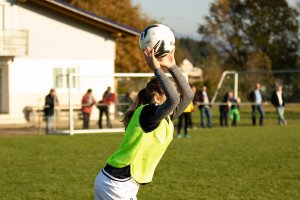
186,93
152,114
185,90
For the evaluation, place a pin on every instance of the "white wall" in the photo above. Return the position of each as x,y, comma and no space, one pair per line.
54,36
54,41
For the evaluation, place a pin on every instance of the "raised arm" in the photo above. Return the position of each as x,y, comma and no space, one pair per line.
155,113
186,93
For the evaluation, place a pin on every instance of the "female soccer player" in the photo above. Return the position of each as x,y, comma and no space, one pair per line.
148,131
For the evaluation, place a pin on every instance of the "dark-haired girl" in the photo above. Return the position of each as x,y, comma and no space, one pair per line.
148,131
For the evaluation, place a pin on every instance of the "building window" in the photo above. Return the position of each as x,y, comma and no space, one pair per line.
61,77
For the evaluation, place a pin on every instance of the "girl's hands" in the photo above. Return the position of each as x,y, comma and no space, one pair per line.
168,60
154,63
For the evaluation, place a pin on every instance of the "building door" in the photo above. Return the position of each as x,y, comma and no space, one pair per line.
0,90
4,108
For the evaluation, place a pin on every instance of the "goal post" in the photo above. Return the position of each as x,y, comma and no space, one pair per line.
224,74
115,77
241,82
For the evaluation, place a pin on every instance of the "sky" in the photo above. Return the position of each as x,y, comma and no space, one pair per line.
182,16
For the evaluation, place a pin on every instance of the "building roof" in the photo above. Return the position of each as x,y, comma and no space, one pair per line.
86,17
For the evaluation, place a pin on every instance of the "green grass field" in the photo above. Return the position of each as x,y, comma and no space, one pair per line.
218,163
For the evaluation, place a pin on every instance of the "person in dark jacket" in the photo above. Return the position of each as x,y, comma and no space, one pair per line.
278,101
50,102
225,109
257,100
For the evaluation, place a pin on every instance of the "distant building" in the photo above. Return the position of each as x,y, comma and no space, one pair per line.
195,74
41,43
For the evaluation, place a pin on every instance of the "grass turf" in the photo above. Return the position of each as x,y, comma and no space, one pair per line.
218,163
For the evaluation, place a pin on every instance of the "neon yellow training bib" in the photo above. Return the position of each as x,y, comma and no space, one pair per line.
142,151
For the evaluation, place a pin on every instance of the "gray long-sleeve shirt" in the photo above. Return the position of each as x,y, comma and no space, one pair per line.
174,105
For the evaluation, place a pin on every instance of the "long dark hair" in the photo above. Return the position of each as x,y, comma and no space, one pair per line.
144,96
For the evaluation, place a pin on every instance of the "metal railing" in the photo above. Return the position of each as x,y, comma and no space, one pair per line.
13,42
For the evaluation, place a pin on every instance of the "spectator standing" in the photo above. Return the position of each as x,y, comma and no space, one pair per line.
107,99
278,101
50,102
257,100
234,111
225,109
194,90
186,117
129,99
203,102
87,103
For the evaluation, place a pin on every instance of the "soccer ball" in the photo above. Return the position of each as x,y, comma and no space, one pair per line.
158,37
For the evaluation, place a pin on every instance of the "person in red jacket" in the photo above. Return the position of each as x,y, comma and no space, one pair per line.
87,103
107,99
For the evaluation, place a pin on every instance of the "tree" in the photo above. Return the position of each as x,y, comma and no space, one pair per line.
245,29
195,51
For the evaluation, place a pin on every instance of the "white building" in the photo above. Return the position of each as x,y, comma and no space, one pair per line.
41,42
195,74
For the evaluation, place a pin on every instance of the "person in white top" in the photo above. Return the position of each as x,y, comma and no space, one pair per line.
278,101
203,103
257,104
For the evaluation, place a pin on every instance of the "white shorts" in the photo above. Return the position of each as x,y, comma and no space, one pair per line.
113,189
